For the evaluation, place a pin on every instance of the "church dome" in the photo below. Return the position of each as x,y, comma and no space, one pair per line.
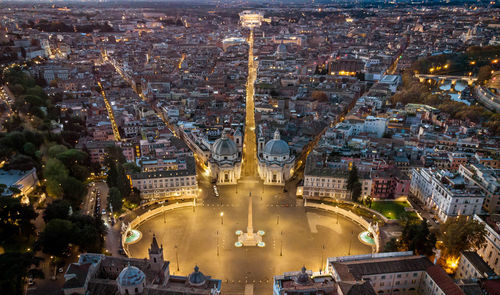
197,278
281,49
302,278
131,276
224,146
276,146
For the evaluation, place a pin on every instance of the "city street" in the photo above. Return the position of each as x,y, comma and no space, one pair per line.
249,162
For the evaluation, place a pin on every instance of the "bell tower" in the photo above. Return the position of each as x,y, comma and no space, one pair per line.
156,254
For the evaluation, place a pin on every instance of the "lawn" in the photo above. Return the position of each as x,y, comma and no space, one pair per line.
390,209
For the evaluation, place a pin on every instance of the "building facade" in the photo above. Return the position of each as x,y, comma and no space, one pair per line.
179,183
98,274
491,251
449,194
225,161
393,273
275,161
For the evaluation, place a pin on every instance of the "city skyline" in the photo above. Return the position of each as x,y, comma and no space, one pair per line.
250,147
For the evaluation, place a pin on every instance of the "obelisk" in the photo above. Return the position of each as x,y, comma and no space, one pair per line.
250,223
250,238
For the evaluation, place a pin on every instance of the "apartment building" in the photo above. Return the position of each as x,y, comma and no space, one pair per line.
491,251
487,179
451,194
180,183
393,273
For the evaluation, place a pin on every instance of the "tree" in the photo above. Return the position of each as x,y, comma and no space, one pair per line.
15,221
57,209
353,184
392,246
16,267
461,234
319,95
484,74
74,191
57,236
55,170
417,237
56,150
131,168
71,157
368,202
115,199
88,233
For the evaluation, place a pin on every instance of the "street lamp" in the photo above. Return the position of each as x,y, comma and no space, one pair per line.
217,243
350,243
222,218
281,244
177,257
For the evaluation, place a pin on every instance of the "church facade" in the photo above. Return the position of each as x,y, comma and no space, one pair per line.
275,161
225,159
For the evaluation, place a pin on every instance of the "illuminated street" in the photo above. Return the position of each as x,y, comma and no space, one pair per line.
206,237
111,115
250,140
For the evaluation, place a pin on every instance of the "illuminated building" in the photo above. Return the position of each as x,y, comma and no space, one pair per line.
225,160
275,162
251,19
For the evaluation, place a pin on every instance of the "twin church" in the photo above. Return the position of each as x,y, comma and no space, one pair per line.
275,163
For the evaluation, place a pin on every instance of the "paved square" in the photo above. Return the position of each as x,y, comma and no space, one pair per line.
295,236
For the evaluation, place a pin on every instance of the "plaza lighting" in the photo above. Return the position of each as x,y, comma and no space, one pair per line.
222,218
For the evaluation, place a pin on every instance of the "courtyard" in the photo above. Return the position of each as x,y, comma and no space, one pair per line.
390,209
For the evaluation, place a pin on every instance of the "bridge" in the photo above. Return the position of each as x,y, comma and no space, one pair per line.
443,78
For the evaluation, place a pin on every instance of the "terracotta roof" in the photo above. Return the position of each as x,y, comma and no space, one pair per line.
356,288
444,282
355,270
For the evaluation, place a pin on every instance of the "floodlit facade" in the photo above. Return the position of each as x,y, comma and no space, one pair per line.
251,19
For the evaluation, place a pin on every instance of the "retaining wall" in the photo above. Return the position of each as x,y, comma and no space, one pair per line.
351,216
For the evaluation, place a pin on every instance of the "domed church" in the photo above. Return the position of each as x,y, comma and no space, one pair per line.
275,162
225,160
98,274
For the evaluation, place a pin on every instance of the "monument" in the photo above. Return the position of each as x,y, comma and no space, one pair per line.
249,238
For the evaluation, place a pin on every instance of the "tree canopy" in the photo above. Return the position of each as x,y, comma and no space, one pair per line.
461,234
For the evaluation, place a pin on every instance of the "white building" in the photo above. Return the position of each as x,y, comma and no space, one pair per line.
275,162
251,19
392,273
372,125
180,183
330,180
491,251
392,81
225,161
451,194
420,185
375,125
472,266
488,180
24,181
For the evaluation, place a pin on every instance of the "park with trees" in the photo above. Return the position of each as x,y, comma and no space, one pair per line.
29,142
